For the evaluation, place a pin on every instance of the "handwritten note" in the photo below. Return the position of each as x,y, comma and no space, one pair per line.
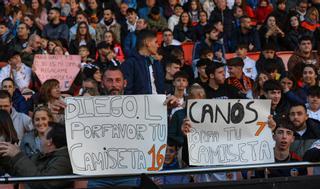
229,132
64,68
116,134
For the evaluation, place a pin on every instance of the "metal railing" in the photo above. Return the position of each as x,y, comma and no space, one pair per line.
193,170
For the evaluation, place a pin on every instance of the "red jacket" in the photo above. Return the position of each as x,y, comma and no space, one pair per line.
263,12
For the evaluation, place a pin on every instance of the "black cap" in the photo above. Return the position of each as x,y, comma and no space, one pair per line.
237,61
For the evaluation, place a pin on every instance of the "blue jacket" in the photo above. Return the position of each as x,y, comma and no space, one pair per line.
136,72
19,102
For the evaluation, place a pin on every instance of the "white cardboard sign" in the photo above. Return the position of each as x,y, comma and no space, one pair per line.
116,134
229,132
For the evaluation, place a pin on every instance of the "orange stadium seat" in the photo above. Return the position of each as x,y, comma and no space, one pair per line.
254,55
159,38
3,64
285,55
227,56
188,52
80,184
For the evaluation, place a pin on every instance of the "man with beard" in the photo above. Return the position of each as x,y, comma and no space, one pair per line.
307,130
216,87
55,29
247,35
113,82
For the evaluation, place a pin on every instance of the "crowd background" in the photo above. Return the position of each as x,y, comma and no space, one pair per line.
186,49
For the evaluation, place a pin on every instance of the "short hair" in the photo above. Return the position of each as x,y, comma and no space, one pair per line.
167,30
299,104
112,68
211,68
80,12
284,123
180,74
305,38
270,65
131,10
84,47
242,46
58,10
8,79
203,62
57,134
3,23
5,94
314,91
144,35
209,28
271,85
169,60
244,17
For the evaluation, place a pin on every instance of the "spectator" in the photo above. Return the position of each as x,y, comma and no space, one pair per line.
5,38
184,30
83,37
7,130
93,72
21,40
294,32
237,77
131,39
18,101
174,19
245,7
145,11
54,159
172,66
55,29
71,19
108,23
201,25
303,55
247,35
311,24
194,10
313,102
39,12
217,88
110,39
301,9
155,21
33,48
307,130
81,17
283,137
249,68
150,79
29,19
130,23
31,141
84,54
14,4
270,32
208,6
106,56
281,13
65,8
279,105
222,13
263,10
168,42
22,123
268,54
18,71
94,12
258,85
202,78
169,8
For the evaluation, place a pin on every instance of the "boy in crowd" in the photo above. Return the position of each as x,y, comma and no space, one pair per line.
180,83
249,68
313,102
85,55
172,67
202,78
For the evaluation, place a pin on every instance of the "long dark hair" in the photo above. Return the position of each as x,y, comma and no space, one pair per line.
180,24
87,37
6,128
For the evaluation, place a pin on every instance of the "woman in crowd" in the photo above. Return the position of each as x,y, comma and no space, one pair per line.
258,85
39,12
184,31
30,143
309,79
270,32
83,37
294,32
29,19
194,10
109,38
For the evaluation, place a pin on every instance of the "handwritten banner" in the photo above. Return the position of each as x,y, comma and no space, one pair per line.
229,132
64,68
116,134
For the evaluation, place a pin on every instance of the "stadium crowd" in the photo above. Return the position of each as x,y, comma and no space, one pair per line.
130,47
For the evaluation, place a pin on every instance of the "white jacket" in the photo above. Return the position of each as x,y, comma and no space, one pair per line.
22,123
21,78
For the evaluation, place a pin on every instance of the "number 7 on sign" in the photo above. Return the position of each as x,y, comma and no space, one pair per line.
261,127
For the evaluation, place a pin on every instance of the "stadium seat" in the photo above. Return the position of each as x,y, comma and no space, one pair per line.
159,38
227,56
188,52
3,64
285,55
254,55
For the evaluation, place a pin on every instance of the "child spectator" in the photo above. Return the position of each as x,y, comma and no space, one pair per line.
174,19
172,65
202,78
249,68
180,83
84,54
313,102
